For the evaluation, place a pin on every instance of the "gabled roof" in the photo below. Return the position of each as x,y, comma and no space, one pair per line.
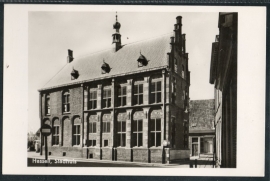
122,62
201,114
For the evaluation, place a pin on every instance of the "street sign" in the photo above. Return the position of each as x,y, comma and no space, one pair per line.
46,130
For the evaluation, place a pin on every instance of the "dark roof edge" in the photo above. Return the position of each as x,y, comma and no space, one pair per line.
107,77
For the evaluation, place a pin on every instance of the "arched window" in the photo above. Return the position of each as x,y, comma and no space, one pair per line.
121,129
155,128
76,131
47,104
65,101
183,71
55,132
137,129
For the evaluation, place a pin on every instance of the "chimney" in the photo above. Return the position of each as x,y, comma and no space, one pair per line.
178,31
70,56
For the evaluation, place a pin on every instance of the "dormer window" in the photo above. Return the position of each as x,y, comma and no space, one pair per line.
105,68
74,74
142,61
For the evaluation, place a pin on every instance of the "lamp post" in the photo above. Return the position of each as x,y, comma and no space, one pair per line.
166,151
46,131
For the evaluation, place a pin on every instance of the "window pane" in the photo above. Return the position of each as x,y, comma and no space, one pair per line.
158,86
78,140
134,139
79,129
135,99
158,124
104,94
124,91
159,97
152,137
123,126
123,139
109,102
119,101
119,91
95,105
91,95
135,89
124,101
90,128
118,139
140,99
119,126
152,98
140,125
153,89
158,139
141,88
152,125
95,95
94,142
67,98
134,126
140,139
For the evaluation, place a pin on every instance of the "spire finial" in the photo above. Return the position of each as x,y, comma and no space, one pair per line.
116,16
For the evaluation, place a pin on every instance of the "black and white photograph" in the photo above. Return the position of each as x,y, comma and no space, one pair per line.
137,87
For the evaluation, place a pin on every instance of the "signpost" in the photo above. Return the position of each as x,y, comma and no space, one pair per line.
46,131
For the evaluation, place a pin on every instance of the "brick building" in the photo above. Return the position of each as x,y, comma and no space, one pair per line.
125,103
223,74
201,127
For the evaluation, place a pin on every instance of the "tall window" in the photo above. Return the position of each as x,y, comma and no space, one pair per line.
183,71
92,127
106,126
121,133
155,95
155,132
122,96
93,99
175,65
174,90
137,135
66,104
55,132
47,106
138,94
76,132
106,98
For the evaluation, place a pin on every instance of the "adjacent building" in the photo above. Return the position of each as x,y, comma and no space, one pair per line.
201,127
223,74
127,103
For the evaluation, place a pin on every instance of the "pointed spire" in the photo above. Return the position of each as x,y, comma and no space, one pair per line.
116,16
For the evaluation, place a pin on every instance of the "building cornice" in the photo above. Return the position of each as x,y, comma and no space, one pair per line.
102,78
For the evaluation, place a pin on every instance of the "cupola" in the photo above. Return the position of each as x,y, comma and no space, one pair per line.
142,61
117,36
105,68
74,74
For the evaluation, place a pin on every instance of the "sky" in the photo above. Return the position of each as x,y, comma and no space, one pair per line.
51,34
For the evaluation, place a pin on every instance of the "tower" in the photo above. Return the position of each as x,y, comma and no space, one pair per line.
117,35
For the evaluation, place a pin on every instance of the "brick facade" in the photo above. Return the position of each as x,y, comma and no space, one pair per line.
95,125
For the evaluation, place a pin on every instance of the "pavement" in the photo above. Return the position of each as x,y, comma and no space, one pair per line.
205,161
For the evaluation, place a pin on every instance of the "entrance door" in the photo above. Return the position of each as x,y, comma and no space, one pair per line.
194,149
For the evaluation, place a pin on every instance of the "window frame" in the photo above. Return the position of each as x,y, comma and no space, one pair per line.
136,133
47,104
76,134
121,134
66,101
92,103
155,132
155,92
92,127
55,135
107,100
105,126
121,96
136,95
